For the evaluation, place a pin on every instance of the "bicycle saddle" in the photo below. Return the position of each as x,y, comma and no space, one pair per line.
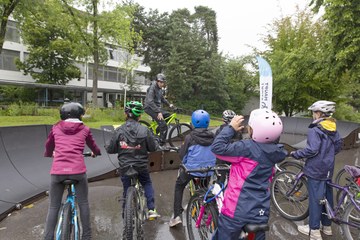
69,182
352,170
131,172
256,227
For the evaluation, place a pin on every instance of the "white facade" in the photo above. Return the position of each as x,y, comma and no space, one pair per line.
111,79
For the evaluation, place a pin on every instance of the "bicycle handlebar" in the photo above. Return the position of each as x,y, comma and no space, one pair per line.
89,154
218,167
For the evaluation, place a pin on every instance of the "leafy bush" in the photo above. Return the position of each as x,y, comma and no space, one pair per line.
22,109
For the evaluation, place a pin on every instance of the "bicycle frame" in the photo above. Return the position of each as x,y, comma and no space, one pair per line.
173,117
69,199
205,202
333,212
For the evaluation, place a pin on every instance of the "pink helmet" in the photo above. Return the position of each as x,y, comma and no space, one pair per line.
266,125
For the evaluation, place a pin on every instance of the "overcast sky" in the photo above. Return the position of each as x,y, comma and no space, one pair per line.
239,22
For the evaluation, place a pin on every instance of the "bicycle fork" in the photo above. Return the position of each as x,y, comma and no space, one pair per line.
201,214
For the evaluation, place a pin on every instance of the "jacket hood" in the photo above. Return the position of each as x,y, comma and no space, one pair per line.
202,136
327,125
71,127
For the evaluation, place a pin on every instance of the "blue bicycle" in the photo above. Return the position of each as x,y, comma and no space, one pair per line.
68,226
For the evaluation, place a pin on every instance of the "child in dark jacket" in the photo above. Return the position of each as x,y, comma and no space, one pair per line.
66,143
133,142
247,196
227,116
323,143
195,153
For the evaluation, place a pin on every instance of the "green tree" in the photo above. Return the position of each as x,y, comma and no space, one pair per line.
195,68
7,7
299,58
50,43
155,46
95,28
240,81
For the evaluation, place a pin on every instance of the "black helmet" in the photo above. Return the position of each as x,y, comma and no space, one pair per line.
161,77
71,110
134,108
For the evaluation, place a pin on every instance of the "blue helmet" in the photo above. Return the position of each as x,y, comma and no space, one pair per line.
200,119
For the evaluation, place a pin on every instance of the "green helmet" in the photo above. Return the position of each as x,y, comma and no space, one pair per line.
134,107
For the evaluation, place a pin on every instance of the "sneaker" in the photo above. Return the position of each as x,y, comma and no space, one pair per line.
304,229
175,221
326,230
153,214
315,234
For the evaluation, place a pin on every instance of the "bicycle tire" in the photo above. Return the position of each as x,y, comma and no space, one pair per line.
76,225
178,133
291,166
132,218
351,232
145,123
295,206
209,220
66,225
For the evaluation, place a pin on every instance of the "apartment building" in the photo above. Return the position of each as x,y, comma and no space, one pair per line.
112,81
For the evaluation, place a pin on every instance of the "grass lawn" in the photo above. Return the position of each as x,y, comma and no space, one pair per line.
6,121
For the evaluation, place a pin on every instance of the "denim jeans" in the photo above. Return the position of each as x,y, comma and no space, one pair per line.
318,189
145,181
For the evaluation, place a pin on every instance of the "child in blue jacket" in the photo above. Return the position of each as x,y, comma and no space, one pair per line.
323,143
195,153
247,196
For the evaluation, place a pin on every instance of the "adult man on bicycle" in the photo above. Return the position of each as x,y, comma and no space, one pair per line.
132,142
154,99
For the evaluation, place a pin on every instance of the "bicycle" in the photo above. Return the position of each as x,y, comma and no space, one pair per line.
177,132
68,225
344,178
134,213
290,197
203,207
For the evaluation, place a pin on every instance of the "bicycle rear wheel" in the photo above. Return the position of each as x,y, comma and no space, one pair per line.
66,225
132,218
208,222
290,200
352,216
178,133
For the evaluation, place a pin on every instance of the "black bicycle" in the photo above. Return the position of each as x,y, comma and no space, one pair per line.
135,212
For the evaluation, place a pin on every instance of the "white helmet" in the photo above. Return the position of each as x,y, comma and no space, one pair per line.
228,115
323,106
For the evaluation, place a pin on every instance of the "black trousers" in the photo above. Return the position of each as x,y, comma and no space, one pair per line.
162,124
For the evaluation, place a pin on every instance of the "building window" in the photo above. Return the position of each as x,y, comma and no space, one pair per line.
7,60
110,74
12,33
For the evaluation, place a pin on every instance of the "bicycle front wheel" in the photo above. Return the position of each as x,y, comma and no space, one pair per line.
352,217
177,133
289,196
66,225
132,219
291,166
208,222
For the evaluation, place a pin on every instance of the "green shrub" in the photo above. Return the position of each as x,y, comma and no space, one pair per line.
22,109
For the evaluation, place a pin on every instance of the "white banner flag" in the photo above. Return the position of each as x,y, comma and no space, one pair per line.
265,83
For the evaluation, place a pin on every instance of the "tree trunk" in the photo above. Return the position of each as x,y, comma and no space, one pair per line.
95,55
8,9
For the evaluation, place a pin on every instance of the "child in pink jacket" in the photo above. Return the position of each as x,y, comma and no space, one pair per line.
66,143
